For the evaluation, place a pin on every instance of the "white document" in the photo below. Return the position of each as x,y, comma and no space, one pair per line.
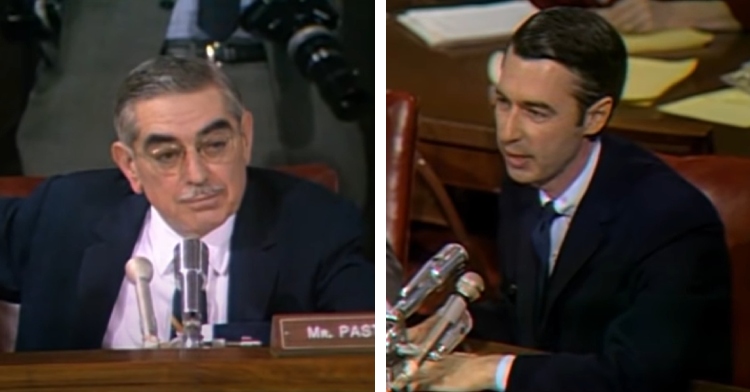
454,25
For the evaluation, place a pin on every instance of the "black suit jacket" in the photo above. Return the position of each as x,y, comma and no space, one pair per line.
295,248
639,298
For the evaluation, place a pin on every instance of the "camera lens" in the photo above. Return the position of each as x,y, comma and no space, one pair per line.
317,54
304,26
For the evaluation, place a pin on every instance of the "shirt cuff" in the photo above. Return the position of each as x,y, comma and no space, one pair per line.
503,372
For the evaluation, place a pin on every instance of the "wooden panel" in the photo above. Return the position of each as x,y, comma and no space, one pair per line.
465,168
424,206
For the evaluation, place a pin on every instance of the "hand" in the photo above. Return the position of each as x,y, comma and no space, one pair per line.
456,372
419,331
636,16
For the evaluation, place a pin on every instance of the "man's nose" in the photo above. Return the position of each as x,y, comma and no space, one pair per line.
195,169
508,127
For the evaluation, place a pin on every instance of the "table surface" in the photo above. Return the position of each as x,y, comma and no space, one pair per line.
223,369
452,86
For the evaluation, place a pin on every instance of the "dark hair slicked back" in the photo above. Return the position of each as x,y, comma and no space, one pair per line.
583,42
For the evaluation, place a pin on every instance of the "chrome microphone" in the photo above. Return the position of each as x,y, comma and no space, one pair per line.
191,269
139,271
440,268
452,323
439,342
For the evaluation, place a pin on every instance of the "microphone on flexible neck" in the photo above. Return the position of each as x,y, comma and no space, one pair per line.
139,271
191,269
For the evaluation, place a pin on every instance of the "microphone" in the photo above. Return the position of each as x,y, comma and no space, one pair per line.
452,325
139,272
191,269
218,18
468,289
441,267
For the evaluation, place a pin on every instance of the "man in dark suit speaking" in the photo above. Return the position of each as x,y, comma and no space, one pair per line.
275,244
612,264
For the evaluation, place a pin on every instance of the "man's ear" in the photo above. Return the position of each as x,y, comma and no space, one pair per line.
123,157
246,125
597,116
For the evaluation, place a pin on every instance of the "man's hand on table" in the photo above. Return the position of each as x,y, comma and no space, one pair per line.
458,372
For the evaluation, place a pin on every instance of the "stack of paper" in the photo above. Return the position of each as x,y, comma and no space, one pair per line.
647,79
667,40
727,106
470,23
446,26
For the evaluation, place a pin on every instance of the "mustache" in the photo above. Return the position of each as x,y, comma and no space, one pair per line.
200,191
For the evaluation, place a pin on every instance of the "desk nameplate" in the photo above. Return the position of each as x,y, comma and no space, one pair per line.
323,334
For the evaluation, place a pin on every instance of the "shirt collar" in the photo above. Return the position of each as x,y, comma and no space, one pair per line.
162,240
567,203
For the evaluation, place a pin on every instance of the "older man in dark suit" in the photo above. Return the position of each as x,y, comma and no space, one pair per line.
275,244
612,264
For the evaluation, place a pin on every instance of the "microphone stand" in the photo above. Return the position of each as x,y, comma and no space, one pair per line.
191,272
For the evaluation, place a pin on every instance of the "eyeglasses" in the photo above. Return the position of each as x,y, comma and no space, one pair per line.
169,157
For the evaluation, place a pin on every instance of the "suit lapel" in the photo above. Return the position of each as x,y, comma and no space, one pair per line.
588,228
102,270
527,277
252,269
584,236
521,212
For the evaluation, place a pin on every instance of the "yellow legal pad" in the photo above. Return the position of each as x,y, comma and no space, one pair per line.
667,40
648,79
727,106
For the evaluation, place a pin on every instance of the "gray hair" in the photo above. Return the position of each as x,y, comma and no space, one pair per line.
169,75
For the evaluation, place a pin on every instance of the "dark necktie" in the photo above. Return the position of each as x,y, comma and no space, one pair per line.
540,239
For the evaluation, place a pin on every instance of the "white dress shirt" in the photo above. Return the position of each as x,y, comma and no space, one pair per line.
565,205
156,243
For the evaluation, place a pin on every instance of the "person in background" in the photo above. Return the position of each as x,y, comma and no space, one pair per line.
19,53
640,16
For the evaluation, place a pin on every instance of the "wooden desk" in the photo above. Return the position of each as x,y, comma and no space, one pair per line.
227,369
456,121
500,348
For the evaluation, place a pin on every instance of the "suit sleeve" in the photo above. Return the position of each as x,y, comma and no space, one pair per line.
682,297
346,279
493,314
18,217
